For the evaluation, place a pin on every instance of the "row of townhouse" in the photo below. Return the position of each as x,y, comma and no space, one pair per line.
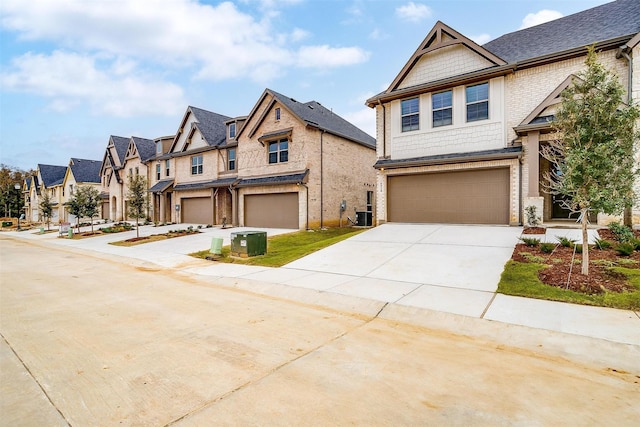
59,183
460,132
287,165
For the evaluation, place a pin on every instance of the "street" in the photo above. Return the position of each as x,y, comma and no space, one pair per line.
90,340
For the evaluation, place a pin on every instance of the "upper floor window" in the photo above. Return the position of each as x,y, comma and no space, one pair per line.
232,130
410,114
137,171
279,151
167,169
232,159
477,102
159,148
442,108
158,172
277,112
130,172
196,165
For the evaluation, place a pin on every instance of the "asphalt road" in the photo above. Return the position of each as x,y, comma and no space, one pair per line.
97,341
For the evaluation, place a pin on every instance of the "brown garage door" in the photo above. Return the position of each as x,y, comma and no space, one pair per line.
271,210
462,197
197,210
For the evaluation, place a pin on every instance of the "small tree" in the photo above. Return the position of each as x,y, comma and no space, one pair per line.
46,207
76,205
137,197
595,152
91,202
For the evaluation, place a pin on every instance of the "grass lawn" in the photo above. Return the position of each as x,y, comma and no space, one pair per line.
286,248
521,279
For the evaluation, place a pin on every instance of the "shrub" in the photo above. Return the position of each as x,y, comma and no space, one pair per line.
578,249
547,248
602,244
622,232
636,243
532,216
530,241
625,249
565,241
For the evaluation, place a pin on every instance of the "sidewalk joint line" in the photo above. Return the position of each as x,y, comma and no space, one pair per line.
35,380
493,297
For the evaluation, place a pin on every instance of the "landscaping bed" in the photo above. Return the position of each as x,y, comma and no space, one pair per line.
553,271
156,237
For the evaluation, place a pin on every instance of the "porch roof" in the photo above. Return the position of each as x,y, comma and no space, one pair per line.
441,159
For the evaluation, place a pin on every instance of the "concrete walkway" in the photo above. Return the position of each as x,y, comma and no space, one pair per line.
430,267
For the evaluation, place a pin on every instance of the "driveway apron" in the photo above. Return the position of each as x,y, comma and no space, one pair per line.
453,268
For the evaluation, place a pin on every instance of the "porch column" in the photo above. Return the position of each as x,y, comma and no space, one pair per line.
533,162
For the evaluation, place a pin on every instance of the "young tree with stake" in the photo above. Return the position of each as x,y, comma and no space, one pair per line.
595,148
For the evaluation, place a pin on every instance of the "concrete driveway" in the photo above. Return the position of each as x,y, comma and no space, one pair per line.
453,268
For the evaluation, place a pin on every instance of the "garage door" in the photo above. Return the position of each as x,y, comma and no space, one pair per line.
197,210
463,197
271,210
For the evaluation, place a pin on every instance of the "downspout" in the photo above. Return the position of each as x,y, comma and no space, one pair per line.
321,181
627,216
384,130
214,194
234,205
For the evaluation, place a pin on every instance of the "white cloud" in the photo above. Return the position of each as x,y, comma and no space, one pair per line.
413,12
219,41
376,34
70,80
540,17
328,57
364,118
481,38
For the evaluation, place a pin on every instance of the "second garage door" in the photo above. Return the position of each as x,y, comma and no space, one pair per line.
461,197
197,210
278,210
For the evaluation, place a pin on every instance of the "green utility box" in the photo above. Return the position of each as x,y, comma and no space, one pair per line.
248,243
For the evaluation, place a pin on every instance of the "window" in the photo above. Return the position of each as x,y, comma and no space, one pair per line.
158,148
232,130
196,165
369,201
279,151
232,159
441,105
158,172
410,114
137,171
130,172
277,114
477,102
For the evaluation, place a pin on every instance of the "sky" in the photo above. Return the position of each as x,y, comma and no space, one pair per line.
73,72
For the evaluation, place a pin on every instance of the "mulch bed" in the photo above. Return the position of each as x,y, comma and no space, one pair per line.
607,234
534,230
560,262
169,235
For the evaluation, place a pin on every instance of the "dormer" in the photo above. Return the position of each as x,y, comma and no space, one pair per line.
233,128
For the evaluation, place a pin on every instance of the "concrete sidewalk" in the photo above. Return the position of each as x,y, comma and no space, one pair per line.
430,267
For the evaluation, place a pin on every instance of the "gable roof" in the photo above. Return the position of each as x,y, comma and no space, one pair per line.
120,144
51,174
85,170
146,148
211,125
610,21
441,36
316,115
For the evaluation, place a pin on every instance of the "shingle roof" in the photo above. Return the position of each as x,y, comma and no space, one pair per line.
316,114
121,144
440,159
205,184
160,186
85,170
211,125
274,180
51,174
146,148
606,22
